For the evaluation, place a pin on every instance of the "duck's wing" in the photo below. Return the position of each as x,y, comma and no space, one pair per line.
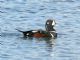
44,32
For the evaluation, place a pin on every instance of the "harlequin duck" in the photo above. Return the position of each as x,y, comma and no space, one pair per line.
49,32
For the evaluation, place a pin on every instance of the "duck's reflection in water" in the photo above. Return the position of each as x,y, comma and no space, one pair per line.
44,43
50,43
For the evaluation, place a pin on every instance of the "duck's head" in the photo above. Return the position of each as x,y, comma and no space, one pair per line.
50,24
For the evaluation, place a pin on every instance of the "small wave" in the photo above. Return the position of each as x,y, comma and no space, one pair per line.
9,34
2,12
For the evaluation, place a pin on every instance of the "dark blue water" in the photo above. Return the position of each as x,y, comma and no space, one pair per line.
29,14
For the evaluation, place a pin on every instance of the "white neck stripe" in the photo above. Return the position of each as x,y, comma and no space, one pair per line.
52,35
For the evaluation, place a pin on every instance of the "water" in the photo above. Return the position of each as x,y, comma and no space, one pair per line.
29,14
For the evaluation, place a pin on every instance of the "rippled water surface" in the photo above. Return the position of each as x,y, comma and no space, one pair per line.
29,14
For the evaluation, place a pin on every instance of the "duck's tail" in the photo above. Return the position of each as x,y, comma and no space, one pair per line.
20,30
24,32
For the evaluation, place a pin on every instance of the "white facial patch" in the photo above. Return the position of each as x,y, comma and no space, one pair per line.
47,22
53,23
